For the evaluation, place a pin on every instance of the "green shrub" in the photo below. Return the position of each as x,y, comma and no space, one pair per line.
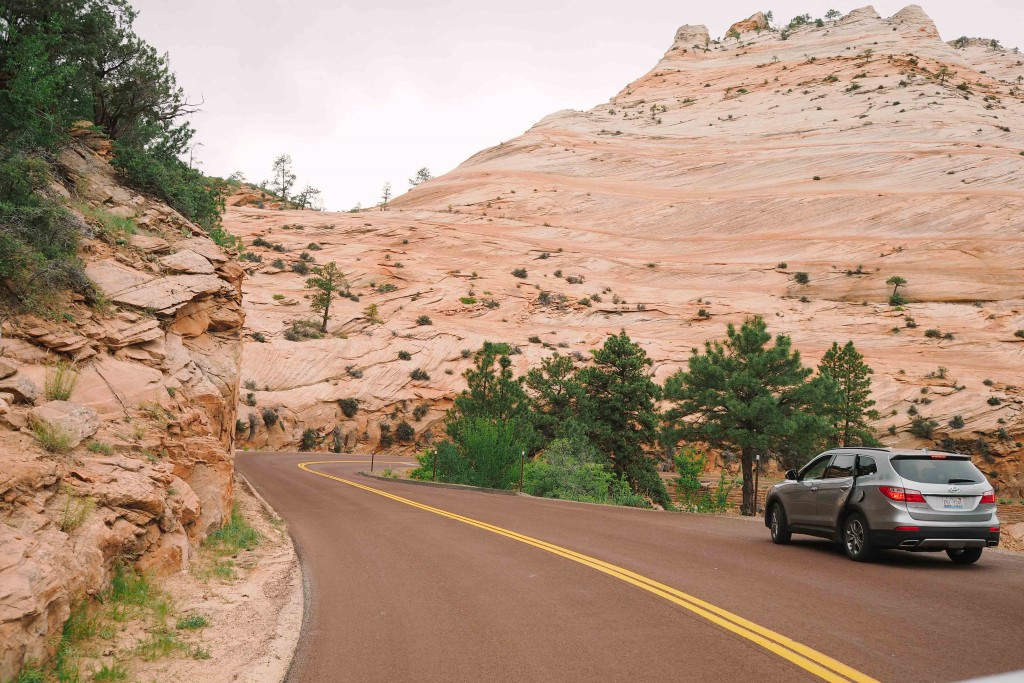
801,278
468,300
301,330
534,339
349,407
404,355
424,320
994,400
419,375
690,464
570,469
922,427
235,535
76,510
192,622
99,447
404,432
270,416
300,267
310,439
519,273
420,411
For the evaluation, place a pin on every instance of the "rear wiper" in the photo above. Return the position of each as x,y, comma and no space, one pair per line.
961,481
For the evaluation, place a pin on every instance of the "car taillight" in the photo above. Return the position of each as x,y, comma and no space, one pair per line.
988,498
908,528
994,529
901,495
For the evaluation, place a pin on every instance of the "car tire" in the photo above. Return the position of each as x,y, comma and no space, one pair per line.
855,539
779,525
964,555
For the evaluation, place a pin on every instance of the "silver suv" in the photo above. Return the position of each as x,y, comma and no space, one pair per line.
874,498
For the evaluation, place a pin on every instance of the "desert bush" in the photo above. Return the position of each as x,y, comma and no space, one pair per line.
52,438
249,384
305,256
301,330
386,287
310,438
404,355
782,266
313,246
278,263
261,241
250,399
424,320
801,278
420,411
300,267
76,510
994,400
270,416
419,375
404,432
520,273
468,300
933,333
922,427
349,407
534,339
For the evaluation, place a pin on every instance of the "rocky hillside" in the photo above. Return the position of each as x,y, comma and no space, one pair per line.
852,152
131,458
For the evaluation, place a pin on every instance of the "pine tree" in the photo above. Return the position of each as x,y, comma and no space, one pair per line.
850,407
556,395
748,396
422,176
328,281
283,178
492,392
618,413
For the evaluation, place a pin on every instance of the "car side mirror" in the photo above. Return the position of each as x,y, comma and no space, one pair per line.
791,474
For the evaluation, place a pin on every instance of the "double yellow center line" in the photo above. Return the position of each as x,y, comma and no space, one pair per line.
807,658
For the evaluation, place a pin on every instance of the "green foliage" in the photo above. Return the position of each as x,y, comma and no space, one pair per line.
192,622
404,432
420,411
236,535
301,330
572,469
327,282
922,427
349,407
520,273
492,451
556,393
801,278
310,439
76,510
748,396
419,374
60,381
619,415
492,393
100,447
270,417
693,497
424,320
957,422
404,355
848,403
51,437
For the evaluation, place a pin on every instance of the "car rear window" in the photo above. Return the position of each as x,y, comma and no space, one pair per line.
929,470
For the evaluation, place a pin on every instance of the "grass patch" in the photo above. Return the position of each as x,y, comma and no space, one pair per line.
192,622
113,229
60,381
236,535
114,672
76,510
52,438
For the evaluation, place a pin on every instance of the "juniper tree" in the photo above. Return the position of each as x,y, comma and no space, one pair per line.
422,176
328,282
849,403
618,413
896,281
283,178
748,396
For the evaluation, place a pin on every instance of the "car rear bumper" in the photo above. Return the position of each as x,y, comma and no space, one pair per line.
936,538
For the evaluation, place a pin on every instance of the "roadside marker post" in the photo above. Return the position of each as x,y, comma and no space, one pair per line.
372,454
433,477
522,466
757,483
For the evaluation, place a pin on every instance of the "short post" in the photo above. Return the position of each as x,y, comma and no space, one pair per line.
522,466
372,454
757,482
433,477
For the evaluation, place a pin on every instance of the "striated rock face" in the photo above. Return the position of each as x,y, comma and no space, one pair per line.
685,203
149,421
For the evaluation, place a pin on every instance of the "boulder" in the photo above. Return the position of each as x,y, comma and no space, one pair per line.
77,421
7,369
150,245
21,388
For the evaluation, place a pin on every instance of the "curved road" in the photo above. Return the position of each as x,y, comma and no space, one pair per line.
423,583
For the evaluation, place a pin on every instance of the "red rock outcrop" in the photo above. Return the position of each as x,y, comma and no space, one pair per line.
150,420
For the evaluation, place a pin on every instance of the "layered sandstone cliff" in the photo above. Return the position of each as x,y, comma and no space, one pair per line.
150,419
859,150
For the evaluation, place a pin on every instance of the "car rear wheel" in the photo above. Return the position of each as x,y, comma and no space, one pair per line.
778,524
855,539
964,555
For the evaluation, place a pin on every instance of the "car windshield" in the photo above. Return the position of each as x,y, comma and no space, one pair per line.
929,470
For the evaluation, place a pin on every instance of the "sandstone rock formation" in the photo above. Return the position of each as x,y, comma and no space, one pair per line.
150,420
687,202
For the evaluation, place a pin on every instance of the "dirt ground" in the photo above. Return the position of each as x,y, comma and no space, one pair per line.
254,618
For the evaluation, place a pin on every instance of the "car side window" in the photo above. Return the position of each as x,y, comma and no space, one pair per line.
815,470
866,466
842,466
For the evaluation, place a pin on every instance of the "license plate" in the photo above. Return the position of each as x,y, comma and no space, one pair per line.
953,503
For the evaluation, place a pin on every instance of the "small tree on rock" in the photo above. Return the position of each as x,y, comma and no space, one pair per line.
327,282
283,180
422,176
896,281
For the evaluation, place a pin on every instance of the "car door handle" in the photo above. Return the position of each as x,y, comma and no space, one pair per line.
843,488
814,488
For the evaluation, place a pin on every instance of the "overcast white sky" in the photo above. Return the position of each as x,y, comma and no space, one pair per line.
363,92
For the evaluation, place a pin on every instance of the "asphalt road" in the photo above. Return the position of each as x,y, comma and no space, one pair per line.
455,585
